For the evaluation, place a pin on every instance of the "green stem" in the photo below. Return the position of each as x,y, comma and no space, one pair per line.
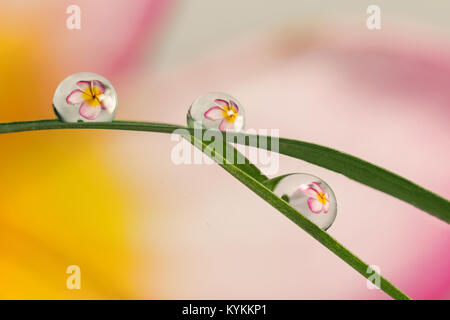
348,165
312,229
247,173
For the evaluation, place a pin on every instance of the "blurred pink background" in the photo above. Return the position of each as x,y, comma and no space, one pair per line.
141,227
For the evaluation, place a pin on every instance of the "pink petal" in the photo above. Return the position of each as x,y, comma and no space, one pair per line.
97,86
83,85
318,187
89,112
234,105
314,205
76,96
226,125
326,206
222,103
214,113
309,192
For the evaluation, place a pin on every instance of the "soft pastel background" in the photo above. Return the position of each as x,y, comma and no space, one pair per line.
140,227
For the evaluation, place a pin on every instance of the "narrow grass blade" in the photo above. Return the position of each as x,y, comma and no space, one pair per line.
246,173
323,237
348,165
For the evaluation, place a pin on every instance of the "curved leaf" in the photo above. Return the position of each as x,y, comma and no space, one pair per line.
246,173
348,165
317,233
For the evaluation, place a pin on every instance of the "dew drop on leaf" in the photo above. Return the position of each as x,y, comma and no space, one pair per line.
216,110
310,196
85,97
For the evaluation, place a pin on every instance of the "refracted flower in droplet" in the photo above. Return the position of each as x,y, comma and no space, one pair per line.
317,198
226,111
309,195
85,97
216,110
93,97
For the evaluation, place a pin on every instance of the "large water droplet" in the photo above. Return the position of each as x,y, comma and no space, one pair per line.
310,196
85,97
216,110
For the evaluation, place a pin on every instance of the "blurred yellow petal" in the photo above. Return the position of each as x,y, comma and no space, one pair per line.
61,205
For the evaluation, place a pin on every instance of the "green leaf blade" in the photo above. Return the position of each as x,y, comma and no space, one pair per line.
317,233
251,177
348,165
368,174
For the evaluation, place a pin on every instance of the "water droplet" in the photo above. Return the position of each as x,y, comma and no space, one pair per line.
216,110
85,97
310,196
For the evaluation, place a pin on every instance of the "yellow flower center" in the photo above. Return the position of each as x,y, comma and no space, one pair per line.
322,198
91,96
229,113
